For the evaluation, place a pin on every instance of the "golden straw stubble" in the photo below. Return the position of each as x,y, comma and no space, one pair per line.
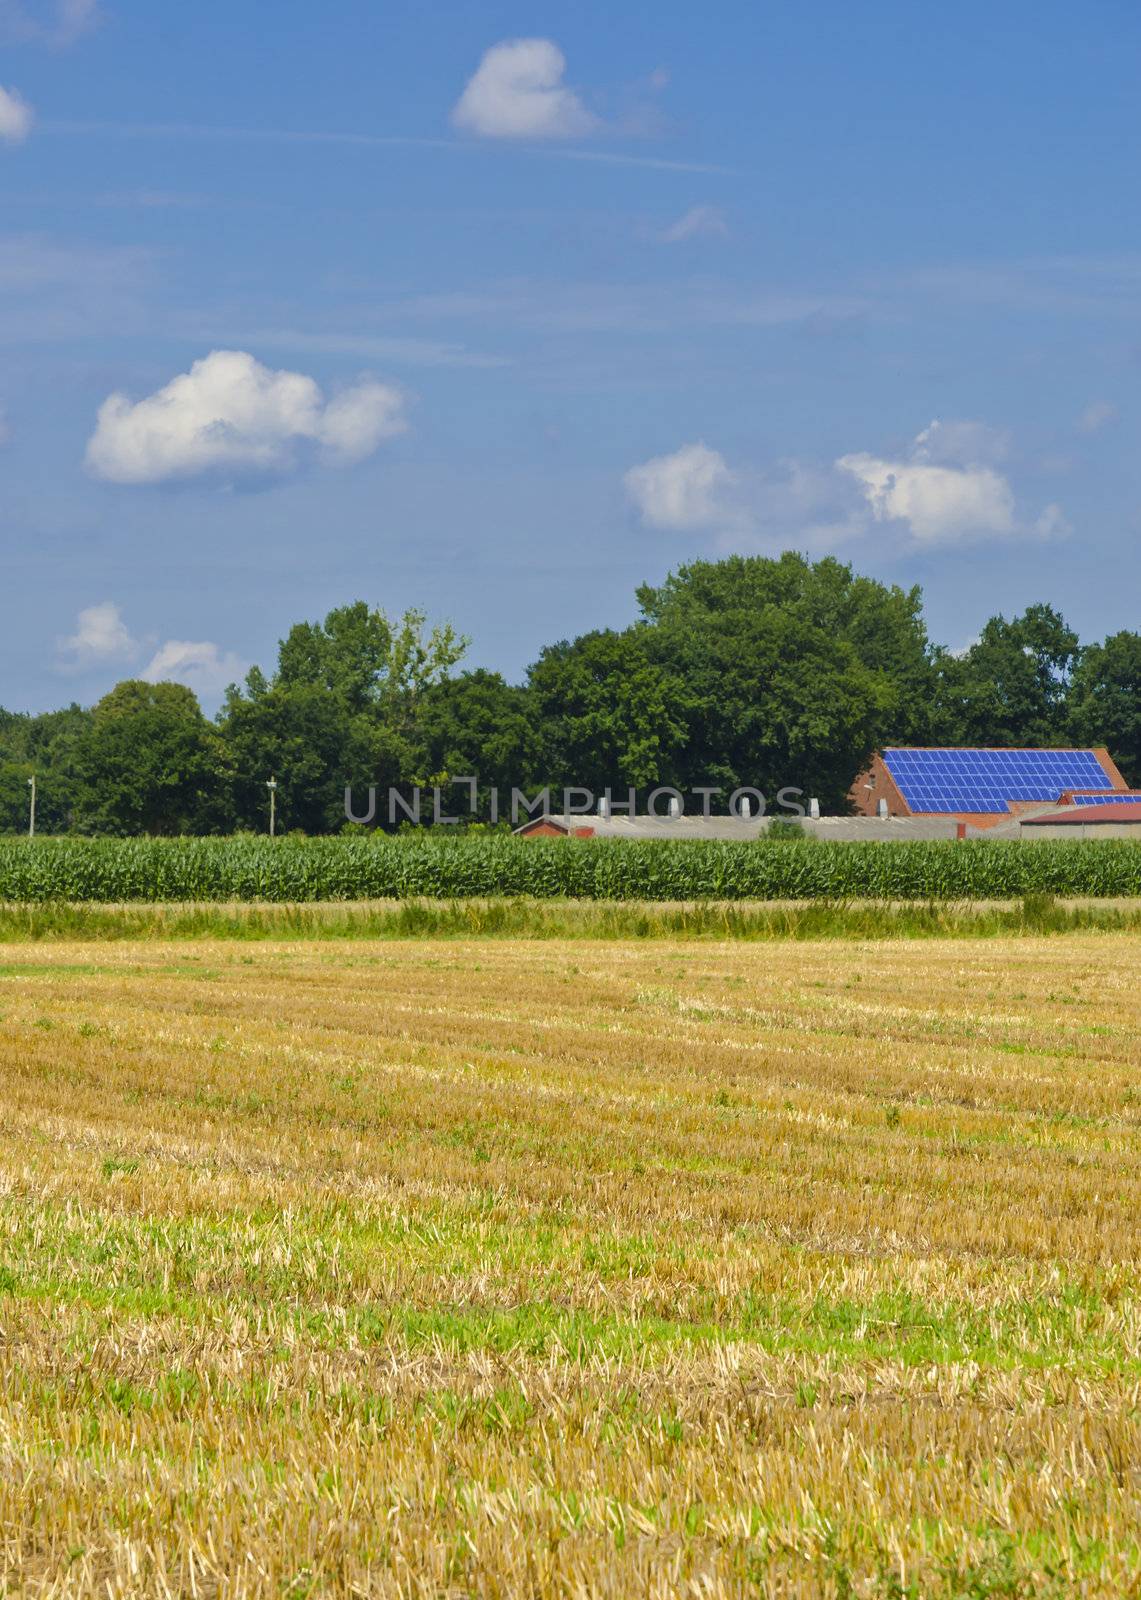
509,1267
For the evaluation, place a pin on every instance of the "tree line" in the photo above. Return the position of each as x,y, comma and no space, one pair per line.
750,670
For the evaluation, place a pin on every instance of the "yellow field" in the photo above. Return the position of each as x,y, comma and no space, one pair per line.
544,1268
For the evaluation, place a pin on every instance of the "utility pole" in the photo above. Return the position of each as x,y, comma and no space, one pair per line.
272,787
32,808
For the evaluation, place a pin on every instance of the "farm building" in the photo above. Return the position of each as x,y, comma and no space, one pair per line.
581,826
985,787
917,793
1118,818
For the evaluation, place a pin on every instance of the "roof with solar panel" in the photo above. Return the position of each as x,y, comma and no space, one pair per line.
1133,799
987,783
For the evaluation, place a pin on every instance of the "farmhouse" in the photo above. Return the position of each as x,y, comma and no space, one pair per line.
986,788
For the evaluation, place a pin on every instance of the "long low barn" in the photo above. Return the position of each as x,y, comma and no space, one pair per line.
581,826
1113,819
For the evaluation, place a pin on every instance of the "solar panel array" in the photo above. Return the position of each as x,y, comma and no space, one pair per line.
985,780
1111,797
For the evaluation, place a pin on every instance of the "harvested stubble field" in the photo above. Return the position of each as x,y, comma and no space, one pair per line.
545,1268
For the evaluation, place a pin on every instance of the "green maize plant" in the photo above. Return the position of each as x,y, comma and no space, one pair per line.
458,867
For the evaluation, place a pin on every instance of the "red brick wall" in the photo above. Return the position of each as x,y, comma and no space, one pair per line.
883,787
542,828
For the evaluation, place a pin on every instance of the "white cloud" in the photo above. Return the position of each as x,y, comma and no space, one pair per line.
698,222
100,635
517,92
102,639
355,421
748,508
685,490
965,649
200,665
15,117
939,491
937,503
230,415
944,490
1096,416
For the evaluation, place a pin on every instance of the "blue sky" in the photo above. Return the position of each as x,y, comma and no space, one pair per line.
499,310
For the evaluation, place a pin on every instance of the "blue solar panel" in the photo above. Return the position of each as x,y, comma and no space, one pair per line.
985,780
1109,798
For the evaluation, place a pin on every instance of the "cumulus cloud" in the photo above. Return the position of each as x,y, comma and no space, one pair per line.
698,222
682,491
230,416
748,507
944,489
941,490
517,92
200,665
15,117
100,636
102,639
937,503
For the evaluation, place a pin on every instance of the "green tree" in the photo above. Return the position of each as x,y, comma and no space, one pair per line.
14,795
302,736
150,762
789,672
479,725
1011,686
608,714
341,709
43,745
1105,701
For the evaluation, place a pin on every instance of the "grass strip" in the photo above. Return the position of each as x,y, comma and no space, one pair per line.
560,919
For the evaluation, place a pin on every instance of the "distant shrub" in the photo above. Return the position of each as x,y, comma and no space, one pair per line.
786,829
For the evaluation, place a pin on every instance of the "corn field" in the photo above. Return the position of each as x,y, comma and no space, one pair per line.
382,867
